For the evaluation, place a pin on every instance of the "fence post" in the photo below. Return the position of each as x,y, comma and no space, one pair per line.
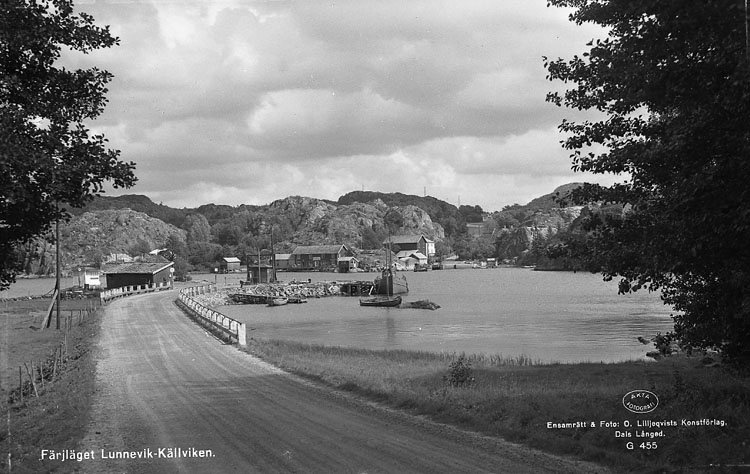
241,335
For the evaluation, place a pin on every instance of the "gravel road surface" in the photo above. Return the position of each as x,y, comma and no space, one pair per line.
171,398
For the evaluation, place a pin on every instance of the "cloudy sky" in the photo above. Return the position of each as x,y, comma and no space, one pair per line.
237,102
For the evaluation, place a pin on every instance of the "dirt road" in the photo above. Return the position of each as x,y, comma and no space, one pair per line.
171,398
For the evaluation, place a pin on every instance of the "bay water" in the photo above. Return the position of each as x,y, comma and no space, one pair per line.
545,316
510,312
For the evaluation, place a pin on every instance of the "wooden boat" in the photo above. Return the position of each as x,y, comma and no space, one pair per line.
382,301
296,300
389,282
278,301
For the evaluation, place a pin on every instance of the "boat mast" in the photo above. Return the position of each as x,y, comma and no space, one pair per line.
389,275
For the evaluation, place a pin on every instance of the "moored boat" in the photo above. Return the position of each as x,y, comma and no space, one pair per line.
278,301
382,301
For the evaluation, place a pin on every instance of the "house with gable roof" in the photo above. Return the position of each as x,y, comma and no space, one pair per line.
318,257
158,273
411,244
229,264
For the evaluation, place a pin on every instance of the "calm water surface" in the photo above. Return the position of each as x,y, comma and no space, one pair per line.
549,316
24,287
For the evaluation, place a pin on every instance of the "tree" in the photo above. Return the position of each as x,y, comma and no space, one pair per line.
673,84
198,229
139,248
176,245
226,232
48,158
372,239
482,247
204,254
471,213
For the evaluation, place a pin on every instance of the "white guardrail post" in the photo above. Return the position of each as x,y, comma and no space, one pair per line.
241,335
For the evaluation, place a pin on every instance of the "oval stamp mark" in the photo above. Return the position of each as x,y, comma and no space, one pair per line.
640,401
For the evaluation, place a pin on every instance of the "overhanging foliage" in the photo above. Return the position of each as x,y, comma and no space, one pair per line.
49,159
672,80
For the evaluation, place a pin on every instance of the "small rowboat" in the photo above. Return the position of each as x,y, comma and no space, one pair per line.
278,301
384,301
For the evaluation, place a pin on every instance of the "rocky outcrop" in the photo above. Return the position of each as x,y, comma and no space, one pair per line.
88,238
316,222
118,231
542,223
417,221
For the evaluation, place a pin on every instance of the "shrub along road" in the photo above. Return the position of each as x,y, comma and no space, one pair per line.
171,398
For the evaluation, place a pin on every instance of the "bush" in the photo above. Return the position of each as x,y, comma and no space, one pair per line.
460,373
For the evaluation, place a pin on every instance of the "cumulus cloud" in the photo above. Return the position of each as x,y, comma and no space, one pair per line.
233,102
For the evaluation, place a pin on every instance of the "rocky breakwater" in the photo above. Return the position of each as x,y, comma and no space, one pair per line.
214,299
263,292
294,289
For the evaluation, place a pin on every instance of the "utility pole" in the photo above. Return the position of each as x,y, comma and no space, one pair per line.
57,271
272,279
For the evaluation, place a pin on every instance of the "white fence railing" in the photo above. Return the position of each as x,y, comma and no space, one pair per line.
224,325
113,293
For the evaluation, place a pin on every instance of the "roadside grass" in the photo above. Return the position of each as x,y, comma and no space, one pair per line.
515,398
57,419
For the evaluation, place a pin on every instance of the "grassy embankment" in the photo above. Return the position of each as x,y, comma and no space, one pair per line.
517,398
57,418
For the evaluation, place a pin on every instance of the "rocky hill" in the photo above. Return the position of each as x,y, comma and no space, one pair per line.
116,231
360,220
104,229
138,203
551,200
90,238
300,220
518,227
447,215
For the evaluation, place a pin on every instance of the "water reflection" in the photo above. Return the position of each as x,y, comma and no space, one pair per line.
390,331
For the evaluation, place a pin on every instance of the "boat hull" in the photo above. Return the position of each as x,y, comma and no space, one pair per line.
278,301
381,301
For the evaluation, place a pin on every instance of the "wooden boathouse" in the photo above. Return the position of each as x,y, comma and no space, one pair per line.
318,257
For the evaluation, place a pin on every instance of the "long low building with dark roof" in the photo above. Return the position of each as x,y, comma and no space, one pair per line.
139,274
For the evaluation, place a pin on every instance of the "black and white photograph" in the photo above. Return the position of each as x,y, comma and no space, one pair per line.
375,236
